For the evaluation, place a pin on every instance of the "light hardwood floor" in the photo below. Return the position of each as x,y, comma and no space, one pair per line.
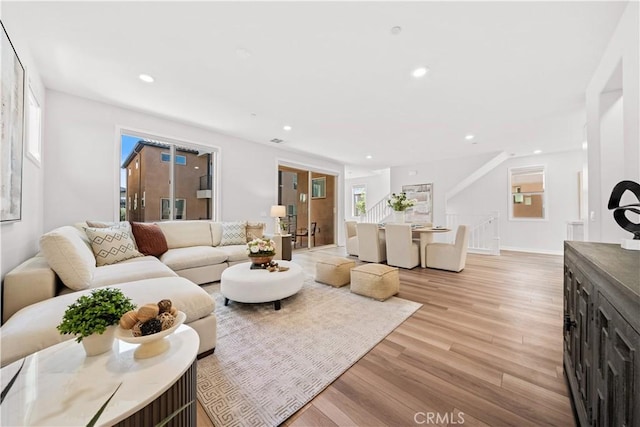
484,349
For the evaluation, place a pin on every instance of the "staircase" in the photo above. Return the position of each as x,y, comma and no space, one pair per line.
484,236
379,212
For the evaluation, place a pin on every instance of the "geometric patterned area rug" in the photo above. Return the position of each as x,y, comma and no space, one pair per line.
268,364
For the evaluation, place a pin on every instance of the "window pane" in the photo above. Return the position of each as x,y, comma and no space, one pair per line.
150,178
527,199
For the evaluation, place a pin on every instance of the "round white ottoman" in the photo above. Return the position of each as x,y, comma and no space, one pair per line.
241,284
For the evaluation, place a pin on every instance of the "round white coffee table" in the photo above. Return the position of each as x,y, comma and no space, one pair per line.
241,284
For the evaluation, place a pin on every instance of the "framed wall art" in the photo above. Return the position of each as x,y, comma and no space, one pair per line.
422,211
12,132
319,188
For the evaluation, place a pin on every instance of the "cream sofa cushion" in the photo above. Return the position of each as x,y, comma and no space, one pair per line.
197,256
68,254
184,234
148,267
216,232
235,252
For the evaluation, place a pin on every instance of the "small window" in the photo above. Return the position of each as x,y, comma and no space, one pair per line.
181,160
165,157
165,209
358,197
527,193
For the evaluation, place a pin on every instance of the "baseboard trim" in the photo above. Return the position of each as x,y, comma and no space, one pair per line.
534,251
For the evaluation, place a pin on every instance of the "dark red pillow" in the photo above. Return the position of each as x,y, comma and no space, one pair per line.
149,238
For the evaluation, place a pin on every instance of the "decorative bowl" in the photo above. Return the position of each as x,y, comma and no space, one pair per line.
150,345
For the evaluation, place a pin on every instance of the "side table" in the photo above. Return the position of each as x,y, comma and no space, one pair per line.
286,247
61,386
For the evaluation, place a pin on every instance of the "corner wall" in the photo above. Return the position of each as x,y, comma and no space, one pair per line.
613,154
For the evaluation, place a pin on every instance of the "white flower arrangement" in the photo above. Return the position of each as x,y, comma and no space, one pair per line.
261,246
400,203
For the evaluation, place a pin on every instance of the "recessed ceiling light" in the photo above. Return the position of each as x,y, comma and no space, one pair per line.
537,152
146,78
368,156
469,137
396,30
286,127
420,72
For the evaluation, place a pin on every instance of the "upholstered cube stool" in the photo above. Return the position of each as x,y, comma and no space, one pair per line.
376,281
334,271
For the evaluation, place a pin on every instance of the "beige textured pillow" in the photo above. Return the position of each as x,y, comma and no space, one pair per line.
254,230
69,256
111,245
124,225
233,233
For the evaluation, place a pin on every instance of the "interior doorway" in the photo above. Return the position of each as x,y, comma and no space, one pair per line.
310,201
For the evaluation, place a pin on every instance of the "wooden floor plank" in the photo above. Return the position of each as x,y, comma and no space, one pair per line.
486,346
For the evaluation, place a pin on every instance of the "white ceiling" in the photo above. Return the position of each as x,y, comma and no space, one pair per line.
511,73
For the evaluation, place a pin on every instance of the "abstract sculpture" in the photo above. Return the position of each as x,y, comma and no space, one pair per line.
619,211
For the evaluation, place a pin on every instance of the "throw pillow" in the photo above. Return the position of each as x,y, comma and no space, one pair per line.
150,238
254,230
233,233
124,225
111,245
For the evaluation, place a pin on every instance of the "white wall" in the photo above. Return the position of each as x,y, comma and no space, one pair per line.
490,193
377,186
83,153
623,50
19,240
444,175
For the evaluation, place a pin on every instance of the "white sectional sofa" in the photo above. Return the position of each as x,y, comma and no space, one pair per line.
36,293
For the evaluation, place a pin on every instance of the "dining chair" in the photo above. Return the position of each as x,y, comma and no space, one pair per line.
352,237
402,251
304,232
372,246
448,256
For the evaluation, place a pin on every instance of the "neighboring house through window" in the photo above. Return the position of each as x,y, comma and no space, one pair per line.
527,197
151,180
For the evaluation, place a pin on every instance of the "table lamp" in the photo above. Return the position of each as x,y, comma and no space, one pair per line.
277,212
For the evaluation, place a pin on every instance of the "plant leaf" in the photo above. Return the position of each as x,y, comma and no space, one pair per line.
8,387
173,414
94,420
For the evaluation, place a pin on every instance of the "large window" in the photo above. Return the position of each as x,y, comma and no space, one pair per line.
527,193
359,200
157,171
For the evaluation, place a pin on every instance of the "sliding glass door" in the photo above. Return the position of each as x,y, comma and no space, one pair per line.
310,200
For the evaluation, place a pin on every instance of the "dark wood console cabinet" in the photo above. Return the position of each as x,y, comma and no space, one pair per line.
602,333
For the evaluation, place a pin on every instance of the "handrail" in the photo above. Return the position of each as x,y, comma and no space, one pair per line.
378,212
484,236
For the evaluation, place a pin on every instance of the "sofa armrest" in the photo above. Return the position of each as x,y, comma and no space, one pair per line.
30,282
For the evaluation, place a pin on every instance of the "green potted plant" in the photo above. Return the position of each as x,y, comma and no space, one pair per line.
92,318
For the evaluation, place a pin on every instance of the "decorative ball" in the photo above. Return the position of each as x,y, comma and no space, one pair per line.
174,311
151,327
167,320
148,312
135,331
129,319
164,305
